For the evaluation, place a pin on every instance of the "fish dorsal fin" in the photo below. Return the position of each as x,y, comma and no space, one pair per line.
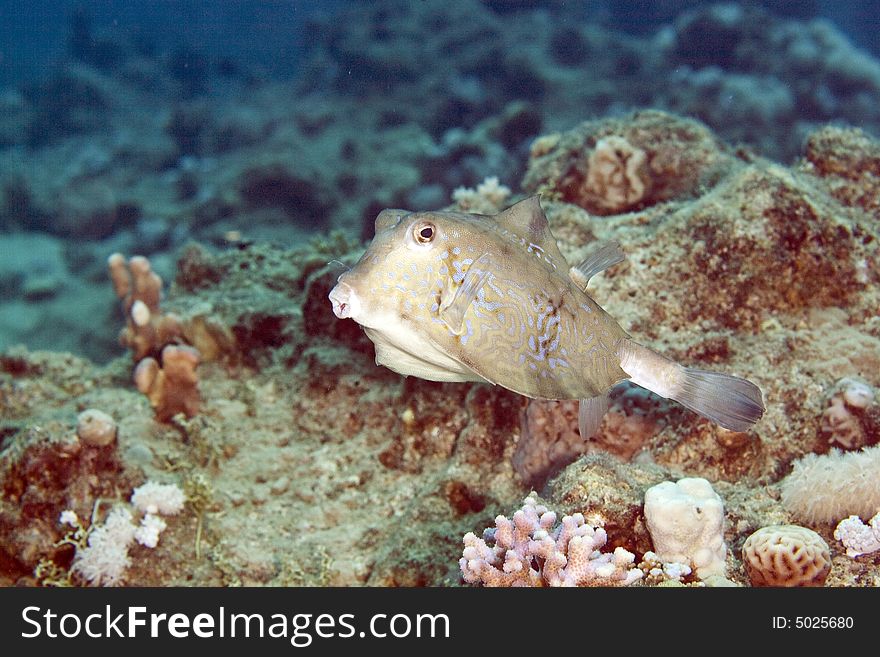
527,221
607,255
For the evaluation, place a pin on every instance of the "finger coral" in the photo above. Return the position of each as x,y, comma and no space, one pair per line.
532,550
147,329
172,386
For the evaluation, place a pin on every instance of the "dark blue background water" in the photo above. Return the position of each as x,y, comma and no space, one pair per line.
268,34
137,126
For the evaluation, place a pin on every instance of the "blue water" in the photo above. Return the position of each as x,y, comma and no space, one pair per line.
136,126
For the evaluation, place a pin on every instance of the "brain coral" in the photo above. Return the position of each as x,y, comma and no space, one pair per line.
786,555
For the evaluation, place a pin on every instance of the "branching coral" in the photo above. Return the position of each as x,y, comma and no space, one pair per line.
531,550
147,329
172,385
489,197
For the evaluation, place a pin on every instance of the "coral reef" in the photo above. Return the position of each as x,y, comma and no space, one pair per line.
123,147
736,262
567,554
786,555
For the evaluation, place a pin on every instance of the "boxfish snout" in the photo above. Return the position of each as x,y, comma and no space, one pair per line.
345,301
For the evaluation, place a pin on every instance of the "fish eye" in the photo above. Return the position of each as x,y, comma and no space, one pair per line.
424,233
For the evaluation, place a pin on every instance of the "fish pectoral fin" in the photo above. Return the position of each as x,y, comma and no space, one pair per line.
590,414
452,313
607,255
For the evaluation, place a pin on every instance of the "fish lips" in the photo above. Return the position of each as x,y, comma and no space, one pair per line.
345,302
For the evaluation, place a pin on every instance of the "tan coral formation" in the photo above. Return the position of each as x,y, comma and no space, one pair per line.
786,555
147,329
617,176
172,386
843,421
96,428
611,166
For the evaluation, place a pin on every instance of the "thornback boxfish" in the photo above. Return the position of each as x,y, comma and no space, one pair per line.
449,296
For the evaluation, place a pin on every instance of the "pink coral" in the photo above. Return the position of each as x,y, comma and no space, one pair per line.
529,551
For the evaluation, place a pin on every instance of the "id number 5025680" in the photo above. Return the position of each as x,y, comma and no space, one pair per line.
823,622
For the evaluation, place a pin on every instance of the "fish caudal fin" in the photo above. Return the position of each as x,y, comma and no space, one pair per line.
729,401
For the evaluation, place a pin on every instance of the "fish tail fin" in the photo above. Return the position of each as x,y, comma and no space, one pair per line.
729,401
726,400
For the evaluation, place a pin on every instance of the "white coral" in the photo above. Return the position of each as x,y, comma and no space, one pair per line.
857,537
148,533
104,561
152,497
489,197
834,485
686,523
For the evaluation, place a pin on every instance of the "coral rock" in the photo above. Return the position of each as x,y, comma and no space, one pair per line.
96,428
612,166
686,522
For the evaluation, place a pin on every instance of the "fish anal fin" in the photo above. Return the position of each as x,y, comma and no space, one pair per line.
590,414
452,313
600,259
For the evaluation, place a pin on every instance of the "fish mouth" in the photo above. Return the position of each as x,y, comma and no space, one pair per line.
344,300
